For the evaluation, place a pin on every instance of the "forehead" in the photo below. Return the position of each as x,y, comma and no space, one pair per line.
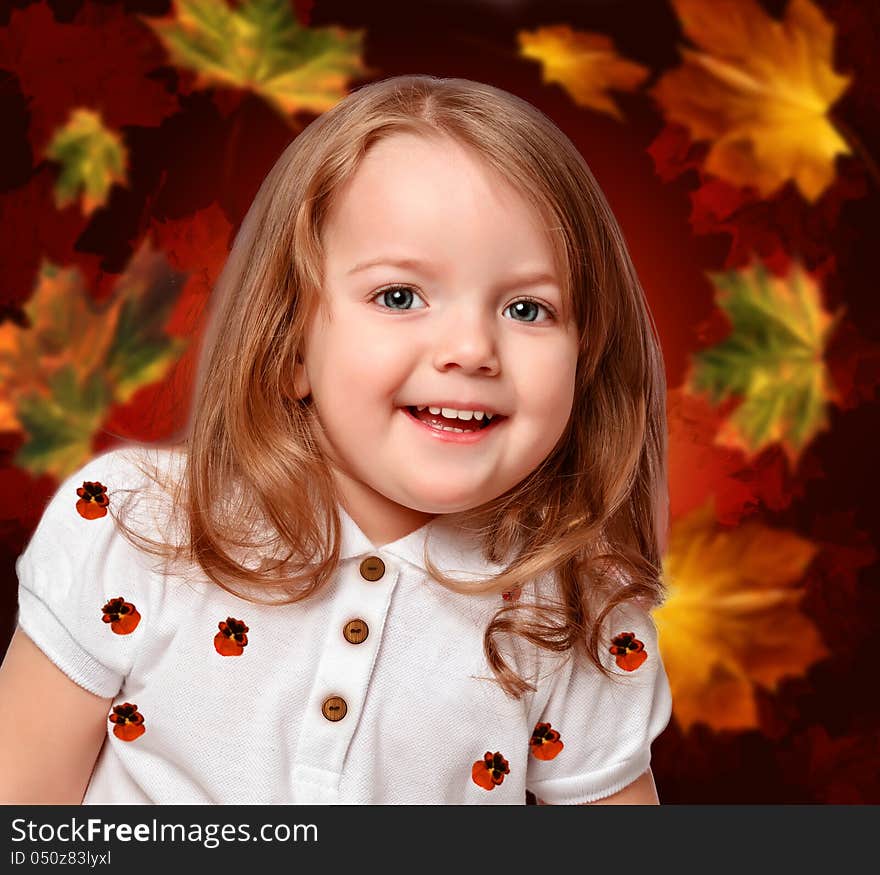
416,195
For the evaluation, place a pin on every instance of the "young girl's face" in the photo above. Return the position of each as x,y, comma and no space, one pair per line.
431,260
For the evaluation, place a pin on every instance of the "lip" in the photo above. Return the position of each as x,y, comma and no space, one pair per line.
454,437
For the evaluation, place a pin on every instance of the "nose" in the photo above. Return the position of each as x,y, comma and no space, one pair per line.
466,341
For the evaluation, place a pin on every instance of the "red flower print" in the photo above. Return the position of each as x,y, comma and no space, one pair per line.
628,650
231,640
93,500
128,721
512,595
545,743
122,616
489,772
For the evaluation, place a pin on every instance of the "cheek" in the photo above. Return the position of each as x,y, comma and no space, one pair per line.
335,348
360,367
375,357
545,381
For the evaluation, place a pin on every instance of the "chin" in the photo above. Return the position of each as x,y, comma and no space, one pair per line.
444,504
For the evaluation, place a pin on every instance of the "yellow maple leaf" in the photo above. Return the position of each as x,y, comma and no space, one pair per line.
585,64
259,45
761,91
731,621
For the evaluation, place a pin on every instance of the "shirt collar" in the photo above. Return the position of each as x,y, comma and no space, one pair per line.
449,547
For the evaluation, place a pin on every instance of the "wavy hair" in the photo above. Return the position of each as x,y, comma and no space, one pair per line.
593,515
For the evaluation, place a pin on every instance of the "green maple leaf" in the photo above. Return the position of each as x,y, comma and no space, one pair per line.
141,352
259,45
59,377
772,359
92,159
60,425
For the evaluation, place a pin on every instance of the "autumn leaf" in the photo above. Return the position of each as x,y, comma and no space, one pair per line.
97,54
92,159
259,45
731,621
836,770
773,358
61,422
585,64
141,352
59,376
760,90
777,226
63,327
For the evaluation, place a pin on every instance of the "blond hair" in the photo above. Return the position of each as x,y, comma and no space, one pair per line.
594,513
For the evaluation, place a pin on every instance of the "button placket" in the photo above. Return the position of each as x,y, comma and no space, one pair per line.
345,665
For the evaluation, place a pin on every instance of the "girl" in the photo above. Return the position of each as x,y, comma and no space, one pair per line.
412,535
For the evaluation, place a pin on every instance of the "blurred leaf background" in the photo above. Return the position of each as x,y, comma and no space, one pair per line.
737,143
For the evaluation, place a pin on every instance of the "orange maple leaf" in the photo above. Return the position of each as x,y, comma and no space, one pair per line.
760,91
585,64
731,620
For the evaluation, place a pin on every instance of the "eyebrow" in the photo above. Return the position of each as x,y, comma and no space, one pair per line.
526,279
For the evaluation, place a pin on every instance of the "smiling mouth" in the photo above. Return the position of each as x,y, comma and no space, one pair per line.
437,420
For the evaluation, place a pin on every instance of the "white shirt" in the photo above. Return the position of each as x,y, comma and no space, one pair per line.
421,705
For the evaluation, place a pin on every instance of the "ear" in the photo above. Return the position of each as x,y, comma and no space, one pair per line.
301,386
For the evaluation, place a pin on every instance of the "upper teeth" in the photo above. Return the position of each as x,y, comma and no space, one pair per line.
450,413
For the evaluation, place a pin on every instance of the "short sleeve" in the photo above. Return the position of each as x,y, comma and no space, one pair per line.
80,597
594,735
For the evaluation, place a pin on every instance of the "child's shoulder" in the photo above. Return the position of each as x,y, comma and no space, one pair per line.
80,579
131,474
133,483
131,466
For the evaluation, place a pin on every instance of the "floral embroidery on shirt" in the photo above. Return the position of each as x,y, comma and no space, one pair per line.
128,722
512,595
232,639
122,616
93,500
628,650
489,772
545,743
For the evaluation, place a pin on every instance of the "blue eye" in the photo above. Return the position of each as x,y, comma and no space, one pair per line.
401,297
396,297
527,306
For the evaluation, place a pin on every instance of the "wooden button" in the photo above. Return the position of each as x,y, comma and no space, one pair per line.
334,708
372,568
355,631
